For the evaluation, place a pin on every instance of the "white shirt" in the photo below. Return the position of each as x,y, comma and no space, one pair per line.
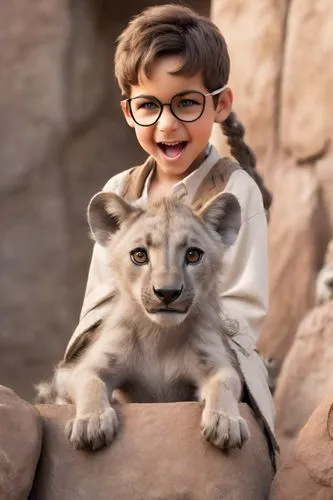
244,287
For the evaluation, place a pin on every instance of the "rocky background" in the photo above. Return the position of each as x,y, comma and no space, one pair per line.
62,136
283,85
283,92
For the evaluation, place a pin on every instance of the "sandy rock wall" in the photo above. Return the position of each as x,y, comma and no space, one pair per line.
61,137
306,376
306,469
283,85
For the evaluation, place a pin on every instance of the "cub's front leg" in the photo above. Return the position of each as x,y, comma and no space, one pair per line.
221,422
95,423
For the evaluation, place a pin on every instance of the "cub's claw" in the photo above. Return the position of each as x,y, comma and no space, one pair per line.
94,430
224,431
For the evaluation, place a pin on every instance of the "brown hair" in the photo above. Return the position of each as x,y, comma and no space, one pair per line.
177,30
234,130
171,30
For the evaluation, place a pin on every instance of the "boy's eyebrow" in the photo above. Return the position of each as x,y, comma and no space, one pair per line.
183,92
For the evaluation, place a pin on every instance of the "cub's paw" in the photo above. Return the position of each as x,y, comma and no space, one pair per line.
94,430
224,431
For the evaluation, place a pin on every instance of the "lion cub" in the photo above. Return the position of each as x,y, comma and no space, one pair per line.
164,338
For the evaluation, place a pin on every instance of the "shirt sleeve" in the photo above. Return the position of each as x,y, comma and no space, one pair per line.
244,287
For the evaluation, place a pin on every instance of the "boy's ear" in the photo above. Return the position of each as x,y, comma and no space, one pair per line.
127,114
224,105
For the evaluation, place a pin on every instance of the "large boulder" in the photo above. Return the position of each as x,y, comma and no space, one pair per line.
20,445
293,257
273,88
307,375
158,454
256,62
307,469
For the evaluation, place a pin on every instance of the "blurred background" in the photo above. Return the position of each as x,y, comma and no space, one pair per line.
62,137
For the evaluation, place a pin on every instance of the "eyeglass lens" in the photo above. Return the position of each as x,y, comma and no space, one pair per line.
188,107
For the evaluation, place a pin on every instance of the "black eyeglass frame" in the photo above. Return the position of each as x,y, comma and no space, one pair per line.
129,107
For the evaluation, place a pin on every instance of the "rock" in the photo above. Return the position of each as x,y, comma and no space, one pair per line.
306,376
255,90
303,136
294,250
62,137
307,469
329,253
159,453
20,445
292,143
325,181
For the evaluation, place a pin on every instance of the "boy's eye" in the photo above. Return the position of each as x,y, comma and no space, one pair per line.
147,105
144,104
184,103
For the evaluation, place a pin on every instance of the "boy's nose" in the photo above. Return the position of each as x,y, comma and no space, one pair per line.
167,121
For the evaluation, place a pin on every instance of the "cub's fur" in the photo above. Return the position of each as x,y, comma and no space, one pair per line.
164,339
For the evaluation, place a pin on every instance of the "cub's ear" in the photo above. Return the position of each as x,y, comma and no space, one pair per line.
106,212
223,214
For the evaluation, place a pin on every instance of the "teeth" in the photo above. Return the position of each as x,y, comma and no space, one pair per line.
171,143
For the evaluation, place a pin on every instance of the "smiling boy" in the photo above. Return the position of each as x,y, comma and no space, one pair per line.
172,67
173,116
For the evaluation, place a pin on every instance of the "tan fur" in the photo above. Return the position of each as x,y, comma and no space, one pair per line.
144,350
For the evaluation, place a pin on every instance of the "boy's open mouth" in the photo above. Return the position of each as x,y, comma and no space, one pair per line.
172,149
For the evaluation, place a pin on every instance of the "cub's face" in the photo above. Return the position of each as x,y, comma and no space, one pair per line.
166,258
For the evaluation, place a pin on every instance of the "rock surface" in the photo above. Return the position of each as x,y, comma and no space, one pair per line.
306,377
159,453
279,53
307,469
20,445
62,136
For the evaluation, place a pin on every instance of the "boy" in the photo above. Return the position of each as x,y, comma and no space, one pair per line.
172,67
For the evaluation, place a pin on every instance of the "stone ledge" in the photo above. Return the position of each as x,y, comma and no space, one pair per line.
159,453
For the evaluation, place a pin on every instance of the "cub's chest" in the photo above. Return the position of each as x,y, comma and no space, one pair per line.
163,378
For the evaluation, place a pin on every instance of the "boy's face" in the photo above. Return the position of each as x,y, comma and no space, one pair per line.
177,146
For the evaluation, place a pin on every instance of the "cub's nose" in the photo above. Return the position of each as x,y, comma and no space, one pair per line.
167,295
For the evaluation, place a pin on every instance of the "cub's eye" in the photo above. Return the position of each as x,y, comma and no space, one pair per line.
193,255
139,256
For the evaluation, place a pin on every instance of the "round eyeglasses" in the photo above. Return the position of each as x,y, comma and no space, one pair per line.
186,106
